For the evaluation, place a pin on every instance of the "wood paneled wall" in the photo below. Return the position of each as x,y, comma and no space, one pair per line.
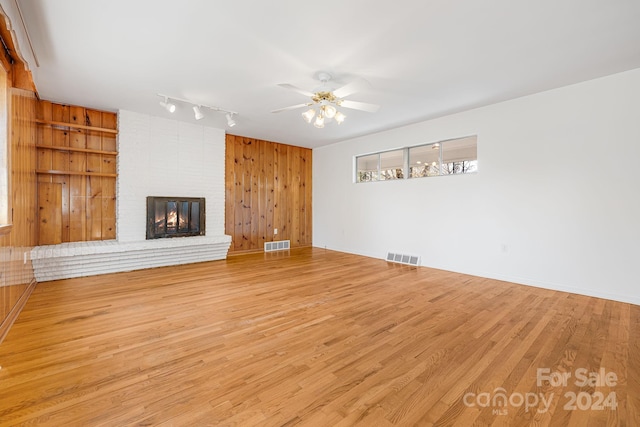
268,187
78,205
16,276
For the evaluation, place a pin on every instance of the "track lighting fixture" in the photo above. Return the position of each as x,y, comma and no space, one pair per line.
197,112
197,108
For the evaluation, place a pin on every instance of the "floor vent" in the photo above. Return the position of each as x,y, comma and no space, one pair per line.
280,245
403,258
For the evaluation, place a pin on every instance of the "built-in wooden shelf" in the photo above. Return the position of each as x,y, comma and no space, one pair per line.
79,150
80,173
75,126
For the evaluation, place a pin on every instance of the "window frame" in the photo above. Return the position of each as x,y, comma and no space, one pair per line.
406,169
378,153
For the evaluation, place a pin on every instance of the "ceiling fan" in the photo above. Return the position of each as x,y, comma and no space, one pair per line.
326,101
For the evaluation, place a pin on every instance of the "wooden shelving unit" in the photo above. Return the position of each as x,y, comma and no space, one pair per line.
76,173
62,125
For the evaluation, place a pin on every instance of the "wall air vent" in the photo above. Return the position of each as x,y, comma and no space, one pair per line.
279,245
403,258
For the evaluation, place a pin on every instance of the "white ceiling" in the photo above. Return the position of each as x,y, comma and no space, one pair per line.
423,58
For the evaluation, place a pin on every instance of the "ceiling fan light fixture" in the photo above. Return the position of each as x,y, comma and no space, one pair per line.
329,111
198,114
308,115
325,101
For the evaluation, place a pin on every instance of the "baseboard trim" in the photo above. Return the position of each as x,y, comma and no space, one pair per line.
244,252
15,311
233,253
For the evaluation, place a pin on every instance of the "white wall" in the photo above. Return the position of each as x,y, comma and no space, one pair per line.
555,204
162,157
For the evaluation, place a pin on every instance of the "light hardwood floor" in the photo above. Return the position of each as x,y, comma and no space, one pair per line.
313,338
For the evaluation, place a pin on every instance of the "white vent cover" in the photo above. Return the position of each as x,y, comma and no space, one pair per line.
403,258
279,245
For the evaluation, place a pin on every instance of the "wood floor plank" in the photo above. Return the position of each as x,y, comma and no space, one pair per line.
310,337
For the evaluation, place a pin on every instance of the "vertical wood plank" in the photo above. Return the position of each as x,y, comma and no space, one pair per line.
45,137
255,195
283,203
246,197
108,212
229,184
296,207
108,143
77,184
50,208
94,193
108,225
270,189
308,223
60,113
239,194
278,188
260,164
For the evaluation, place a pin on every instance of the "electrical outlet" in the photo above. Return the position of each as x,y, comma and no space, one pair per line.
275,231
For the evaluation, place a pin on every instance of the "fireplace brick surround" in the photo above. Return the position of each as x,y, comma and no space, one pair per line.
156,156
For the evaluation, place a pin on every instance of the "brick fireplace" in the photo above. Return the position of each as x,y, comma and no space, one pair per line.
156,156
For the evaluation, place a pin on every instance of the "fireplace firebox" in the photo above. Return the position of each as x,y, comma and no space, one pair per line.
175,217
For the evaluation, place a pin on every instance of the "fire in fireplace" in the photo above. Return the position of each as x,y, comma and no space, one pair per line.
175,217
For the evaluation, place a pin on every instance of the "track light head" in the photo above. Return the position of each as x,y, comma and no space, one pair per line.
230,120
168,105
197,112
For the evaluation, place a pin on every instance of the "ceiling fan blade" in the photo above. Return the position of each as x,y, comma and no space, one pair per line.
292,107
355,105
353,87
296,89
